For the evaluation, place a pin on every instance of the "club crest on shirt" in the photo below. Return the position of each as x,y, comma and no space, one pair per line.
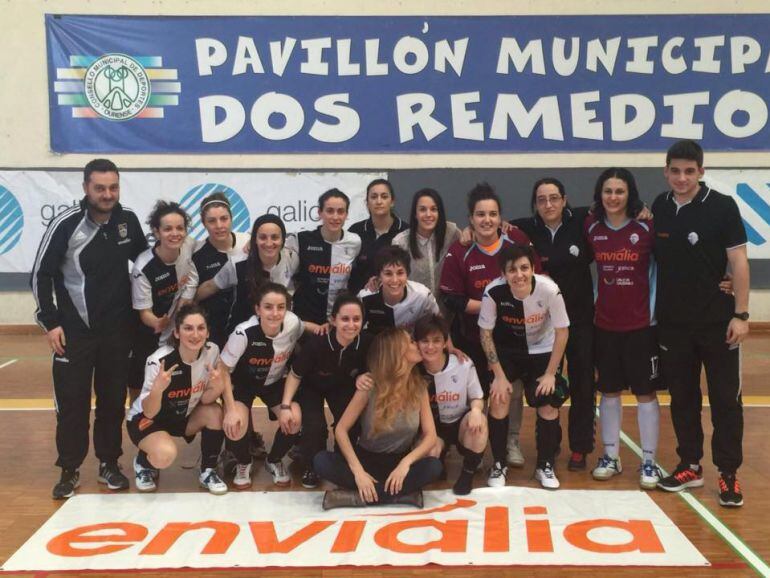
634,238
122,230
693,238
574,251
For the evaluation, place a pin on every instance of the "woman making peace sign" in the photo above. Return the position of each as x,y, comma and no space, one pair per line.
178,399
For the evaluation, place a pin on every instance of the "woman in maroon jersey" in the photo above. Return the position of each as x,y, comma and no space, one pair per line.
465,274
626,348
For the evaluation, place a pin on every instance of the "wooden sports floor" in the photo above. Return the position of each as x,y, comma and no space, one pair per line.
27,455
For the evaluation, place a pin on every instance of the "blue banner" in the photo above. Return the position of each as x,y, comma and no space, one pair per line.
407,84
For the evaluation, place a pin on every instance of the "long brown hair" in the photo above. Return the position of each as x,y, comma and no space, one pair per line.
398,385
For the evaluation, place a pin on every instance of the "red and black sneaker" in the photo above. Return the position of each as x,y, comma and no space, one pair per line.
577,462
730,494
683,477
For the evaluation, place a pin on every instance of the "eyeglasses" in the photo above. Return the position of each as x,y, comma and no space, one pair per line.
543,201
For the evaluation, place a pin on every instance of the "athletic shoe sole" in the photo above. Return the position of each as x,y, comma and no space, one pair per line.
67,496
110,486
648,485
684,486
221,492
730,504
146,490
543,485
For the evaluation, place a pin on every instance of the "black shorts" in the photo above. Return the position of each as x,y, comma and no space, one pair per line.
450,433
627,360
529,369
140,427
271,395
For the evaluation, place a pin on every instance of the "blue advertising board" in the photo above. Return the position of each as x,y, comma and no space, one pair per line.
391,84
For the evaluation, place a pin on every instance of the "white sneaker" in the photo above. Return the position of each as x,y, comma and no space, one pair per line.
210,480
514,456
497,475
242,478
144,478
278,470
649,475
606,468
547,477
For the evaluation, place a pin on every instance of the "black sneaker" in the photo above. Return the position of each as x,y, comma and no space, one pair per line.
65,487
309,479
730,495
577,462
110,474
683,477
464,483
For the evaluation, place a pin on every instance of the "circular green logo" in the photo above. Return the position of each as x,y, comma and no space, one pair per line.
117,87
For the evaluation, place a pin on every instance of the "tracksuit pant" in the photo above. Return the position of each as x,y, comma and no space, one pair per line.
684,349
580,371
101,360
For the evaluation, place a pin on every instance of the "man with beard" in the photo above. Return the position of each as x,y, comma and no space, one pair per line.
81,284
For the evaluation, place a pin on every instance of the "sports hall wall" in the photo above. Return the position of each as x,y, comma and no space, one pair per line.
26,146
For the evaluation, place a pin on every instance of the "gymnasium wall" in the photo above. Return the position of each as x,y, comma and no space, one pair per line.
24,133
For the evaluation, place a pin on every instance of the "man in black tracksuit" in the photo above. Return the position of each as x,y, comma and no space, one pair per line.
82,263
698,234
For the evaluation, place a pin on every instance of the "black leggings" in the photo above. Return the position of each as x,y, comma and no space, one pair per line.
332,466
314,428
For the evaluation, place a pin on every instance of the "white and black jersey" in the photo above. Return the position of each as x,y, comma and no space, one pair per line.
324,271
254,358
523,327
156,285
208,261
84,265
234,276
417,302
187,382
452,389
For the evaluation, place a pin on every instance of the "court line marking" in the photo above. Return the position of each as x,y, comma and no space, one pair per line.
721,529
7,363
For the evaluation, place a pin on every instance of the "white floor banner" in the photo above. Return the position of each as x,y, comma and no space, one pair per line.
29,200
491,526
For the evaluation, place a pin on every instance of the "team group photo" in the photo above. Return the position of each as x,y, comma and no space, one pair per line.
324,289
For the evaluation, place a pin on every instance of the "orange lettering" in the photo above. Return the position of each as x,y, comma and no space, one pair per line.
538,531
496,532
348,537
224,534
267,542
64,543
643,536
454,536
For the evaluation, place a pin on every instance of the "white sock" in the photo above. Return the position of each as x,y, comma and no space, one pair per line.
610,416
648,415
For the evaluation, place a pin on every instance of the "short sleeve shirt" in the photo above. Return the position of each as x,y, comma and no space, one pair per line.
188,382
452,389
256,359
625,271
691,244
417,302
523,327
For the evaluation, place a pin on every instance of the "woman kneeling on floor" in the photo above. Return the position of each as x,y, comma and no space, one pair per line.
383,466
178,399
